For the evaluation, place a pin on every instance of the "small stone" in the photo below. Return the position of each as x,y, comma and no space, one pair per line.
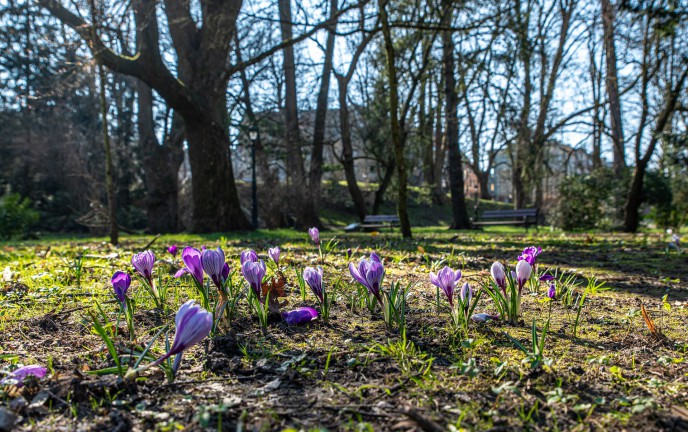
7,420
18,403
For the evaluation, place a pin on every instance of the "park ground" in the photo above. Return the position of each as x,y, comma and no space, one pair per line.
355,374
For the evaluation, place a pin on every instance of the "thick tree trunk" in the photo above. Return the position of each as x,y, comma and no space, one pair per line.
484,181
613,88
440,154
348,151
160,165
459,213
214,190
397,140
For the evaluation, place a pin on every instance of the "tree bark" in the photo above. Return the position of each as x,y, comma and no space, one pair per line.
160,164
459,213
310,213
397,140
439,156
347,150
197,92
295,170
109,181
612,82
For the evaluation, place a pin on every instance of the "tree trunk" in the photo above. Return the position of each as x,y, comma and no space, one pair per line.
160,164
384,185
459,213
213,187
310,214
347,150
634,200
295,169
484,181
109,181
613,88
397,140
440,152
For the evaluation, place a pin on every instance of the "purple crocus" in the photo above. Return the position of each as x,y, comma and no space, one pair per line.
120,283
552,291
192,259
313,278
447,280
370,274
483,317
348,253
523,270
249,255
274,254
300,315
315,234
530,254
18,375
254,272
172,250
466,294
213,262
499,275
193,324
546,277
143,263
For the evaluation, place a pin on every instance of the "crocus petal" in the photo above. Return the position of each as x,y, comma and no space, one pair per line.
546,277
248,255
172,250
315,234
523,270
143,263
300,315
18,376
181,272
274,254
192,259
498,274
313,278
213,262
254,273
483,317
120,283
193,324
466,293
552,292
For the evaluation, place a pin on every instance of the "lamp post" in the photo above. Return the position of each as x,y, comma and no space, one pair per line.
253,136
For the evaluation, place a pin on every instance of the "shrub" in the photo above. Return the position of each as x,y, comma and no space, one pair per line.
16,216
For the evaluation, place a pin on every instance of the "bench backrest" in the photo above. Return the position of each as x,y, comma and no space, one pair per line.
381,218
503,214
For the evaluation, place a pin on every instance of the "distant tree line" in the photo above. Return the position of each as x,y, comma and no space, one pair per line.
102,102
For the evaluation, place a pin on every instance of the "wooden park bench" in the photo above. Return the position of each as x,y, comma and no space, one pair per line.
374,222
523,217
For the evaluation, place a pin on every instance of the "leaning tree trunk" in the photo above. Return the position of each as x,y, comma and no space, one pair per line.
348,152
634,200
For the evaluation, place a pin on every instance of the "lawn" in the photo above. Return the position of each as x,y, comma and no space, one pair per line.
601,366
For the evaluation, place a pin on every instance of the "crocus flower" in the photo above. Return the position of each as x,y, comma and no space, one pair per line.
552,292
192,258
348,253
254,273
120,283
249,255
523,270
370,274
300,315
313,278
499,275
172,250
18,376
315,234
143,263
447,280
546,277
274,254
530,254
193,324
483,317
466,294
213,262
